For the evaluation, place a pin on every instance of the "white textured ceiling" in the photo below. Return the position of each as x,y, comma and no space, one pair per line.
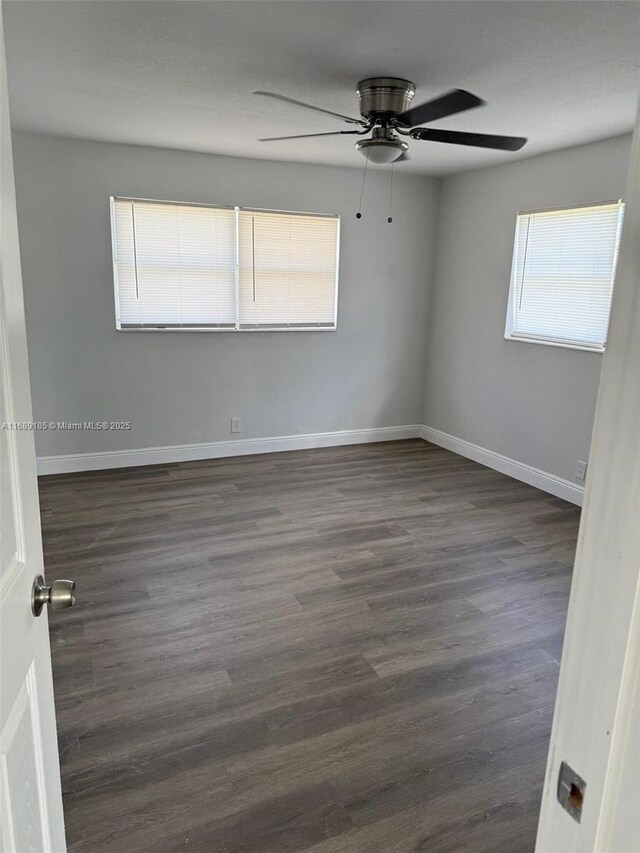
181,74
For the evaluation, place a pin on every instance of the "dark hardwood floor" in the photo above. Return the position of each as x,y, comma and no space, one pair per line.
345,650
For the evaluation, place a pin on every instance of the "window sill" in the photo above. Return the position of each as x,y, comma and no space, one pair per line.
548,343
201,329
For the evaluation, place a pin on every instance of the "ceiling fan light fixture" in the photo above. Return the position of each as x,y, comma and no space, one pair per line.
380,150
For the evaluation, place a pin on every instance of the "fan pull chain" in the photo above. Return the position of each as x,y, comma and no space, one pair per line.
364,178
390,217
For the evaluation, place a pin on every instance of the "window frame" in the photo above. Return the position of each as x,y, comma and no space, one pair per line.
509,333
224,329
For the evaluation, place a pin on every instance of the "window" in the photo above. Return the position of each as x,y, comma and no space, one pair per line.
174,265
287,270
562,275
184,266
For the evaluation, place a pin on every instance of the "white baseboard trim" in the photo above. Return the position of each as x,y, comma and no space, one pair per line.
73,462
557,486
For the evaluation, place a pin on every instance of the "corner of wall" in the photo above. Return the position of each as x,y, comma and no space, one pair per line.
433,277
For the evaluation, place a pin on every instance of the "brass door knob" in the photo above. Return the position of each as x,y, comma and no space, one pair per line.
58,596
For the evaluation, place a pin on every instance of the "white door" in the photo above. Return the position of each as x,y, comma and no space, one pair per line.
30,796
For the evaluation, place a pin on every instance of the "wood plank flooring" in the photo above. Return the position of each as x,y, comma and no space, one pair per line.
344,650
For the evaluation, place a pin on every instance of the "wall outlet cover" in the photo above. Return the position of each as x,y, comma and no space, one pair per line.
581,470
236,425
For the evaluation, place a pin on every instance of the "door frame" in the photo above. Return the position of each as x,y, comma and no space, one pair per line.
596,728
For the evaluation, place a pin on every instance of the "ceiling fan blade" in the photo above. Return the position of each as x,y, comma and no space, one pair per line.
311,107
478,140
307,135
455,101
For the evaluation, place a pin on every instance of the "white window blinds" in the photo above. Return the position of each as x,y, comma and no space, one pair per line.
193,267
175,265
562,275
287,269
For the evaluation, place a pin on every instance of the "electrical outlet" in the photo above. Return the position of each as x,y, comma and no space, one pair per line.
236,425
581,470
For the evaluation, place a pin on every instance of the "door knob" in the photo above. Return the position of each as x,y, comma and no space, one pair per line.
59,595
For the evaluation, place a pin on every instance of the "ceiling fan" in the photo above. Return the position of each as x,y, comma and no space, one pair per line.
385,110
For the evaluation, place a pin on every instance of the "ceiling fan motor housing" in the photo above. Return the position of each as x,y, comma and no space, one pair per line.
383,97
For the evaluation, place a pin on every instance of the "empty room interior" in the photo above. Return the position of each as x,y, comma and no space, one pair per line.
312,414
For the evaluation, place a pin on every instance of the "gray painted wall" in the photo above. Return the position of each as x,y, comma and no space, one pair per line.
530,402
179,388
